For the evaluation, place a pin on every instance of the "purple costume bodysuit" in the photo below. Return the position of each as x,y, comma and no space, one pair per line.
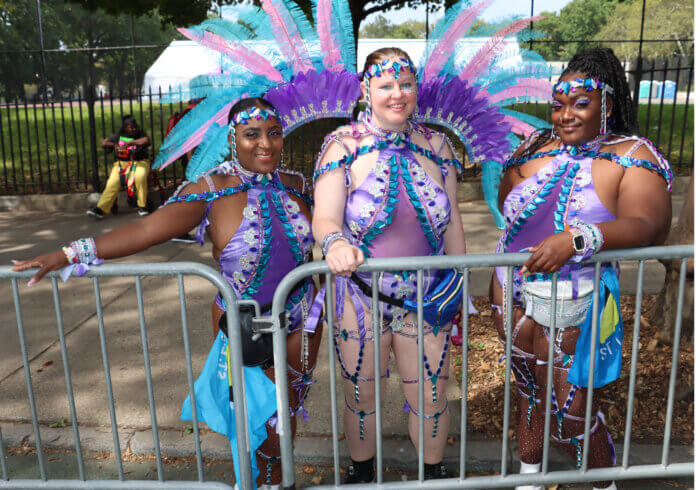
396,200
542,205
273,238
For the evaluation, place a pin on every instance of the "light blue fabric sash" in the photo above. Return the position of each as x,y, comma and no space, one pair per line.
608,363
215,408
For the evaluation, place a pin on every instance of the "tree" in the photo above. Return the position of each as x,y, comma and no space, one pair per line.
671,20
381,27
188,12
578,21
75,35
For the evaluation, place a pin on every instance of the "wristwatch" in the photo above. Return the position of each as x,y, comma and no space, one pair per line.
578,241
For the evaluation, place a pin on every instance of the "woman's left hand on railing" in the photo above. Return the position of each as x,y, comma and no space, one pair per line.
46,263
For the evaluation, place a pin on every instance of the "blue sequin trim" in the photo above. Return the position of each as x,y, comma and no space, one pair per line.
265,253
535,203
229,191
292,238
418,206
563,198
605,155
391,201
380,145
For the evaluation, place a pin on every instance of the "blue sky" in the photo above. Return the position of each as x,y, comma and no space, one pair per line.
499,9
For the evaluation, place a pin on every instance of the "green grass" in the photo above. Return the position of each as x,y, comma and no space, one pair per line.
38,142
40,145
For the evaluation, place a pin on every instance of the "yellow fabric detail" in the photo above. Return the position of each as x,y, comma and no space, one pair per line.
609,319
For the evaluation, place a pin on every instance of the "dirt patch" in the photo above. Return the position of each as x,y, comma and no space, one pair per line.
487,377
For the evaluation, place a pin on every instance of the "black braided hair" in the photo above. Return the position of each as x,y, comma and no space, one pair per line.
600,63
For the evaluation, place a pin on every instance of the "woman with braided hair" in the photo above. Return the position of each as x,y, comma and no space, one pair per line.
588,184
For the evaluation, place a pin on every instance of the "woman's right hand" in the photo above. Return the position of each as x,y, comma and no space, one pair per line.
343,259
46,263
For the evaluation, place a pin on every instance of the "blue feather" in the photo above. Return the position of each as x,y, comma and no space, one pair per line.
186,126
343,18
533,121
211,152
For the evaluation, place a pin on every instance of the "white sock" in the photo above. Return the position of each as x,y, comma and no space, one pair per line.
612,486
529,468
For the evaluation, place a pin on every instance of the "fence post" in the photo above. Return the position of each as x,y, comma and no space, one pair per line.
638,71
90,99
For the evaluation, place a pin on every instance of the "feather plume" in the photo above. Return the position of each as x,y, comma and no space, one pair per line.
180,139
463,18
213,151
533,121
530,88
483,58
518,126
236,52
342,18
286,21
331,52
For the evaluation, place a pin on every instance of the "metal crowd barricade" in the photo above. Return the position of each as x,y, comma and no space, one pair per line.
235,368
464,263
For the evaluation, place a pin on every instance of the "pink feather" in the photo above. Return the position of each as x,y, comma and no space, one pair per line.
445,46
288,37
331,52
221,118
483,58
518,126
526,87
237,53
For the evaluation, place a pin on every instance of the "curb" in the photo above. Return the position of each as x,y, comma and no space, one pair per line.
482,455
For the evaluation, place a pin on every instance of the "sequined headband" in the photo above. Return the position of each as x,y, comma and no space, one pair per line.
395,67
255,113
587,84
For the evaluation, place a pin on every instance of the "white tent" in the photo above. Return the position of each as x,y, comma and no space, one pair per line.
183,60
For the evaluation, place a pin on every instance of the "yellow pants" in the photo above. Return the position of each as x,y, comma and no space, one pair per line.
113,185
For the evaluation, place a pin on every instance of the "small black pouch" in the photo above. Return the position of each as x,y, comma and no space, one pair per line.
255,352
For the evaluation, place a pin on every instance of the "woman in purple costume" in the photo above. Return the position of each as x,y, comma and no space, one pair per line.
258,220
590,184
386,187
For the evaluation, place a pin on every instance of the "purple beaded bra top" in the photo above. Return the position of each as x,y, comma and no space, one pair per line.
396,210
558,194
273,238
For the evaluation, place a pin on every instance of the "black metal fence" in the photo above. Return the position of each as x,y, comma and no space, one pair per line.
55,146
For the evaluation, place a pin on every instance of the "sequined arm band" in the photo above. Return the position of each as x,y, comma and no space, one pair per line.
331,238
81,254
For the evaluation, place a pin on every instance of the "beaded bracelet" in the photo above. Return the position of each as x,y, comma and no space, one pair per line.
85,249
329,239
71,254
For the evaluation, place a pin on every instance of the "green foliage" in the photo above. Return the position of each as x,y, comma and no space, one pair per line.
381,27
68,30
664,19
579,20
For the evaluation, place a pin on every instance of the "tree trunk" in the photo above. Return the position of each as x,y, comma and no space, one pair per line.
664,314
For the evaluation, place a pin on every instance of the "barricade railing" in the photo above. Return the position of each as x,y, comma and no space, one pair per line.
465,263
235,368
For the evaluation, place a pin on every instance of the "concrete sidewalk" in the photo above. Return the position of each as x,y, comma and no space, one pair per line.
28,234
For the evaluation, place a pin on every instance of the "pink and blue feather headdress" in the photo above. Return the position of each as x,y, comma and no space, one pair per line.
307,73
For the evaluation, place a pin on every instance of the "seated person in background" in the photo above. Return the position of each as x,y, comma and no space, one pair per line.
130,145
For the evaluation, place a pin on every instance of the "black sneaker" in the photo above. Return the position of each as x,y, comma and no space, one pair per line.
142,211
186,238
437,471
353,475
96,213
